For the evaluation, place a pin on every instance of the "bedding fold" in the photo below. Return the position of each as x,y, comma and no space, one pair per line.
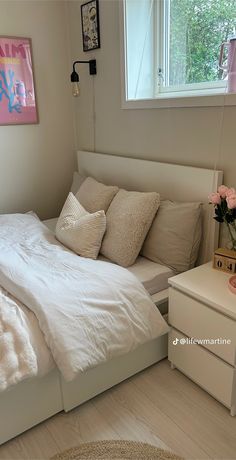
89,311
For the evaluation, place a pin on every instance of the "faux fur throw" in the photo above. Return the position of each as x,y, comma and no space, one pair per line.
17,356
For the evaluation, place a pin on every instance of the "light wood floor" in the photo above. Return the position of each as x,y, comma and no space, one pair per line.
160,406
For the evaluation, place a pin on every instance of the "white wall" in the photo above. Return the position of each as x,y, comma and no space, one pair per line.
191,136
36,161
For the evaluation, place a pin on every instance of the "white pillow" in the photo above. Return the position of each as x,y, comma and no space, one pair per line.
79,230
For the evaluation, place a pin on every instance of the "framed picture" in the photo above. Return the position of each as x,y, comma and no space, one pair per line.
17,89
90,25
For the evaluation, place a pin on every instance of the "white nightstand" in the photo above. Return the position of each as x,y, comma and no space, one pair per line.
202,307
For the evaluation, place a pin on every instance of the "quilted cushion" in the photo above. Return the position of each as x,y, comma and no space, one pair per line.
128,220
79,230
94,195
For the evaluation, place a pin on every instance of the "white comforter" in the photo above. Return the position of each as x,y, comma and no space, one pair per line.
89,311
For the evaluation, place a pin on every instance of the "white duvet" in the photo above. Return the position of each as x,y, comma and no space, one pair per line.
89,311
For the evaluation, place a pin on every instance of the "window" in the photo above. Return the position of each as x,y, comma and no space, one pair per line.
172,47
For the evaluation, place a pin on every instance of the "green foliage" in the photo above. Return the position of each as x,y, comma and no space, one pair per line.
197,29
224,214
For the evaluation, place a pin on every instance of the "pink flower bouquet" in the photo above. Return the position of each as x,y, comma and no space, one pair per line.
224,201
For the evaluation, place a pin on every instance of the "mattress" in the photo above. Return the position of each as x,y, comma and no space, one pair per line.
153,276
51,223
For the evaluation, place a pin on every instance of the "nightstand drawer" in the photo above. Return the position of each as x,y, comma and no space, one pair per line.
210,372
197,320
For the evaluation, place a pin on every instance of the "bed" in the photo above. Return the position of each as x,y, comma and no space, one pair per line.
34,400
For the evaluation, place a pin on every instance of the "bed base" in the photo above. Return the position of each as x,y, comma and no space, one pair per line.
34,400
105,376
29,403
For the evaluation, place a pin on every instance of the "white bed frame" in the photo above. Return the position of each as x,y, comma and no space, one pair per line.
34,400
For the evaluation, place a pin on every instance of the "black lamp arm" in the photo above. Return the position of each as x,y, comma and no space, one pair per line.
92,66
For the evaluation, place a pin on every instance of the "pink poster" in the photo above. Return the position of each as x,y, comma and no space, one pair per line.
17,91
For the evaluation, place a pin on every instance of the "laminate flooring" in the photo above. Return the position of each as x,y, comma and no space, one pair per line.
159,405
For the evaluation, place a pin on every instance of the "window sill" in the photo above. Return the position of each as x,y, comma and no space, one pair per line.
175,100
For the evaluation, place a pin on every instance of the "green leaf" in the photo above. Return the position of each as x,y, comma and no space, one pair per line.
218,219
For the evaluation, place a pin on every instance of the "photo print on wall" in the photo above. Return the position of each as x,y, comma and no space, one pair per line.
90,25
17,89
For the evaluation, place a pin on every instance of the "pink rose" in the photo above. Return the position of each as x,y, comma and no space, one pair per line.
222,190
231,201
230,191
215,198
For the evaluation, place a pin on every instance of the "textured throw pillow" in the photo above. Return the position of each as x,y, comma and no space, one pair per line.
128,220
94,195
79,230
175,235
76,182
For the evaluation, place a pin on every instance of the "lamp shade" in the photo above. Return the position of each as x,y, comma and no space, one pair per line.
74,77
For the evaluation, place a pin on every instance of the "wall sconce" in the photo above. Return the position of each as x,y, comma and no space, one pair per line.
74,78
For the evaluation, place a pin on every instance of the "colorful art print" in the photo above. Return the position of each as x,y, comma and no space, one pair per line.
90,25
17,90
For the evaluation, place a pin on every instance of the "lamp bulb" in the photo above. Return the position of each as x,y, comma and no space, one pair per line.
75,88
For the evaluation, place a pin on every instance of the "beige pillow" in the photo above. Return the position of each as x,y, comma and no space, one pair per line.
128,220
76,182
175,235
95,196
80,231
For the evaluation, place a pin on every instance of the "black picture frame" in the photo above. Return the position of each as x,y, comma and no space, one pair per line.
90,25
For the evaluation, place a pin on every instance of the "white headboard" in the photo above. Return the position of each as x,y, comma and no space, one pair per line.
173,182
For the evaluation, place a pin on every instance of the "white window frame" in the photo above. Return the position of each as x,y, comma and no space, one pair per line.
197,95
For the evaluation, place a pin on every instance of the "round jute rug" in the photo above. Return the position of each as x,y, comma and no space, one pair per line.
115,450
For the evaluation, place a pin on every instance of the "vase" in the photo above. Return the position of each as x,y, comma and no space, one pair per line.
232,235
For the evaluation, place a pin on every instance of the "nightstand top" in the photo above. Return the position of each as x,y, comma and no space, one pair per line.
209,286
